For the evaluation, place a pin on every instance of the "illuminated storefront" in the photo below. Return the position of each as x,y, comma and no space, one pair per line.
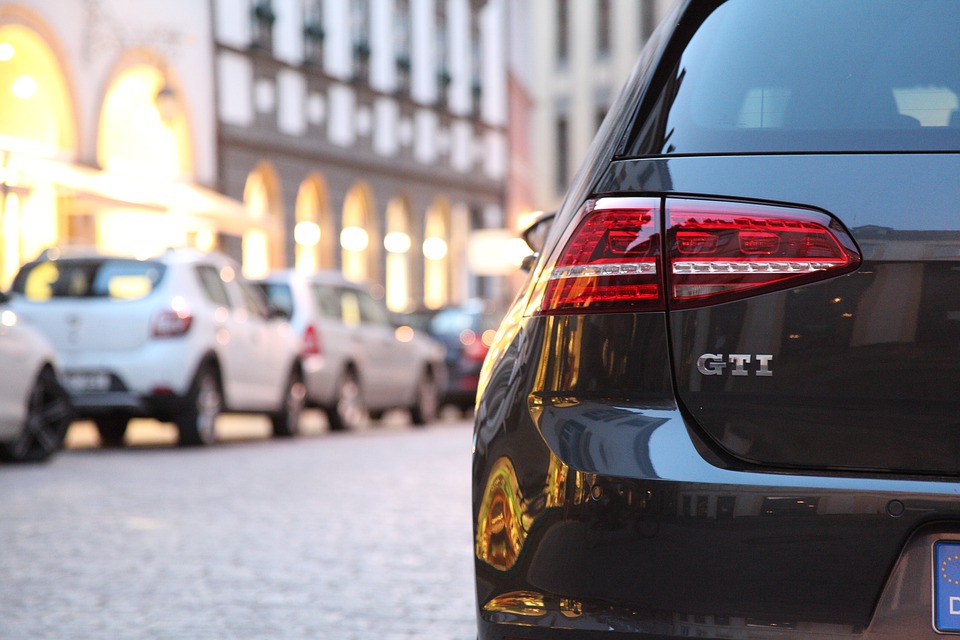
133,189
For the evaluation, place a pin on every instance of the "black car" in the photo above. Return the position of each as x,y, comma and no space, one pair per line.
726,404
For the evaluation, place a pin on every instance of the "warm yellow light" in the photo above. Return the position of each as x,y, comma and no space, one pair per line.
516,251
24,87
204,239
354,239
396,242
404,333
307,233
524,220
6,52
434,248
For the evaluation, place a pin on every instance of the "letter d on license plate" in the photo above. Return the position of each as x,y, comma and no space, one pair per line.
946,586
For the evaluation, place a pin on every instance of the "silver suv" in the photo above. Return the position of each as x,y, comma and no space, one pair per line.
358,362
181,337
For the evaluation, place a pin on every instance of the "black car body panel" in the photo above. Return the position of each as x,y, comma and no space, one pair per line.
772,465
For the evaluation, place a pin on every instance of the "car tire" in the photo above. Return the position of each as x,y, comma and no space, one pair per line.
196,422
112,429
426,405
349,411
49,414
286,422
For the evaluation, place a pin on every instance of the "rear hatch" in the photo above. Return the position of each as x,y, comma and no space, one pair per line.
89,304
843,365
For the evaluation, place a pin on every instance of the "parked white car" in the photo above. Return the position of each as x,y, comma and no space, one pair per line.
358,362
181,337
35,410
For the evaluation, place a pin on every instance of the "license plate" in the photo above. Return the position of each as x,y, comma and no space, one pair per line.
87,381
946,587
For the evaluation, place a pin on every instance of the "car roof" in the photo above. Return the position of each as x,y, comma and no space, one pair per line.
324,276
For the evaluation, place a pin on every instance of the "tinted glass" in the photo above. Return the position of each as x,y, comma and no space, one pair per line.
253,299
120,279
280,296
811,75
213,285
327,300
372,311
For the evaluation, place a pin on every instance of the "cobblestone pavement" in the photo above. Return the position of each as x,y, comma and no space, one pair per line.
362,535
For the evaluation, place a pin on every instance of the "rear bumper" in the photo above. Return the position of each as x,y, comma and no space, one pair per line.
612,518
94,405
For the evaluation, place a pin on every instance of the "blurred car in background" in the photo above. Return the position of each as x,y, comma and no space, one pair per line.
466,331
35,409
358,362
181,337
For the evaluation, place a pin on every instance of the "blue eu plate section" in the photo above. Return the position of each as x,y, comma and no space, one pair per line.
946,591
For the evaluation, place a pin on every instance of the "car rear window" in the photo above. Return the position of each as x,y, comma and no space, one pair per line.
809,76
453,321
113,278
280,296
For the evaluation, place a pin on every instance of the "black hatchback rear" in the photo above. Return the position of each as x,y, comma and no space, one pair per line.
727,402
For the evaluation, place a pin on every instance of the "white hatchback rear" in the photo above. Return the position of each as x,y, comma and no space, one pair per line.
180,337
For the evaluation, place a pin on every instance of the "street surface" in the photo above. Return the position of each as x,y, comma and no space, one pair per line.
360,535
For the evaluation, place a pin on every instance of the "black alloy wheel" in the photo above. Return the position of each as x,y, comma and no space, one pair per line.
49,414
286,422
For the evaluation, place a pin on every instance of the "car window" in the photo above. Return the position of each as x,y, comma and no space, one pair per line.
451,322
800,82
326,300
350,307
372,311
118,279
213,285
253,299
280,295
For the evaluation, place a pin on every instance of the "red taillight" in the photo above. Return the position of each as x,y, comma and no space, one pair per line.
713,252
746,249
611,262
474,347
170,323
312,345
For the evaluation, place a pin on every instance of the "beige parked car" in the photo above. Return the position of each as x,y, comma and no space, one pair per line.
358,361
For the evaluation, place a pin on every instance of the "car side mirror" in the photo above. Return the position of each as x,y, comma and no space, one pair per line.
535,235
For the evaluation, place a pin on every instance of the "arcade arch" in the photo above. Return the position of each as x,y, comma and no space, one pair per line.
359,235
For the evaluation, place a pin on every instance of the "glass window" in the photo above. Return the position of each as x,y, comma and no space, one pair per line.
212,285
813,75
604,28
280,296
253,300
326,300
372,311
118,279
563,30
350,307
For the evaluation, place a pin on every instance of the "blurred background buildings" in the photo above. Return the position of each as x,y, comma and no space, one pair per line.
403,142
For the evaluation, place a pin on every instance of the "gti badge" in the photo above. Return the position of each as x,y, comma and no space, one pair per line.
741,364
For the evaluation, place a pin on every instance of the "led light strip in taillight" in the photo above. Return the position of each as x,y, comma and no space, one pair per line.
612,260
715,251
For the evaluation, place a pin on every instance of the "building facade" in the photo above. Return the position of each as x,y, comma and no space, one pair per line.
362,135
582,54
367,135
105,128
